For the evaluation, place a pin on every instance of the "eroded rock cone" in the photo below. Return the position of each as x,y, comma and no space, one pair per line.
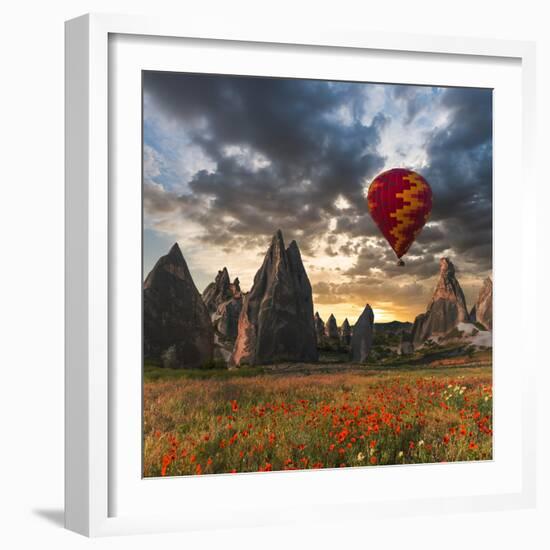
345,333
226,318
446,309
361,340
331,328
235,286
224,302
319,328
226,322
176,324
217,292
276,321
482,312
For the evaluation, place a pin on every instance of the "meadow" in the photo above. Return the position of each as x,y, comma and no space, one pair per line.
254,420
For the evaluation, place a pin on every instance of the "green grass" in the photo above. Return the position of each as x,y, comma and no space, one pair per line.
152,373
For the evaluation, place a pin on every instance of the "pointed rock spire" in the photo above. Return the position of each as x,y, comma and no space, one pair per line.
173,263
345,333
276,321
482,312
319,328
236,286
176,324
448,288
217,292
175,253
223,300
446,309
361,340
331,328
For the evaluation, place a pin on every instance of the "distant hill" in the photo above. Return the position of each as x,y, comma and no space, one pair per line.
395,327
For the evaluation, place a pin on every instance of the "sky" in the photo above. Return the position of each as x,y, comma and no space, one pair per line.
228,160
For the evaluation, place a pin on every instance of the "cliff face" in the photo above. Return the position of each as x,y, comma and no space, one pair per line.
482,312
446,310
224,303
176,323
217,292
276,322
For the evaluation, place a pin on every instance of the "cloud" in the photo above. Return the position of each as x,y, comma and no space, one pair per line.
281,157
460,173
228,160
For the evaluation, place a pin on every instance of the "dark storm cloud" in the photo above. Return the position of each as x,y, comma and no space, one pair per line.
459,170
311,157
310,154
460,173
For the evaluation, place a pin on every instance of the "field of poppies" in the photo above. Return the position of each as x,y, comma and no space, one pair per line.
256,421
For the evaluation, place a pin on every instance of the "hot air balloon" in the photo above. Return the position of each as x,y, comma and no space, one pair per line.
400,202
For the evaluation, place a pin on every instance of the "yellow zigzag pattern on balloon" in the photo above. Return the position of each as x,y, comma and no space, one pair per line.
411,203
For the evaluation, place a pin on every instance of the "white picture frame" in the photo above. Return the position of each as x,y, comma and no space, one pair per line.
94,445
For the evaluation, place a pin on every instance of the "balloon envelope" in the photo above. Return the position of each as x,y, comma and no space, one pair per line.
400,202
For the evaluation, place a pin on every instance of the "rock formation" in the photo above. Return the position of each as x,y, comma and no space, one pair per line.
235,286
176,324
319,328
345,333
405,344
217,292
446,309
276,322
469,334
361,340
482,312
331,329
224,303
226,318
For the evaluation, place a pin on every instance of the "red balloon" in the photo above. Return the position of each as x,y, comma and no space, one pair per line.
400,202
